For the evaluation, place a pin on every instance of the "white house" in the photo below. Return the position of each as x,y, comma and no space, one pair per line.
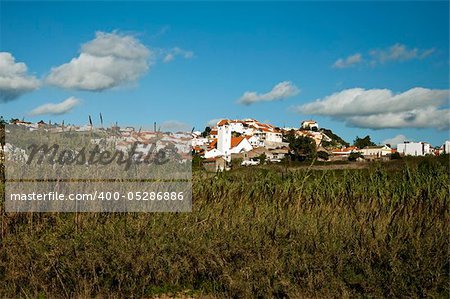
254,140
310,125
237,126
447,147
213,134
376,151
213,153
268,137
199,141
346,151
240,144
227,145
408,148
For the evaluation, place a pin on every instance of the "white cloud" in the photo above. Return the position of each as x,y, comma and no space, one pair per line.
56,109
348,62
399,52
109,60
419,118
280,91
395,140
14,80
175,126
171,54
381,108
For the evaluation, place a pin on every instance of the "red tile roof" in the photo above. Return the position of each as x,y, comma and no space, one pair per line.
236,140
223,122
213,144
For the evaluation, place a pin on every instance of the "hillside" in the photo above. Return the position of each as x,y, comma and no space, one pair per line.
336,141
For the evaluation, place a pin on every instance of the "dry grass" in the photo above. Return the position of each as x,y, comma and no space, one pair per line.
253,233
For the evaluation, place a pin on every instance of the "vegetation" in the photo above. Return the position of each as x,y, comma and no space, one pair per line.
363,142
323,155
354,156
197,161
301,147
395,156
254,232
206,132
335,139
262,158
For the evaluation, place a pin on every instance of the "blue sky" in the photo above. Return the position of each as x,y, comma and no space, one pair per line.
193,62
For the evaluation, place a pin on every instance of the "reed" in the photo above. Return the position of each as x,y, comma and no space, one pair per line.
254,232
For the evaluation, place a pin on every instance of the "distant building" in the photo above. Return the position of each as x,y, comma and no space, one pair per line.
345,152
408,148
374,152
310,125
447,147
226,144
213,134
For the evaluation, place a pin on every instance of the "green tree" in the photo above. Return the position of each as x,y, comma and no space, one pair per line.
395,156
206,131
262,158
354,156
2,130
302,147
363,142
335,139
197,161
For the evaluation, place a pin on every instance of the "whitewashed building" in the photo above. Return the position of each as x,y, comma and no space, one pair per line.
376,151
310,125
447,147
408,148
226,144
254,141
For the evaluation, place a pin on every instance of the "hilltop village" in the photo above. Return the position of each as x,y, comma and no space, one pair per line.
248,142
252,142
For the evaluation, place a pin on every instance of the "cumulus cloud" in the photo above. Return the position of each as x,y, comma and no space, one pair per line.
14,80
396,140
280,91
348,62
381,108
419,118
56,109
399,52
109,60
171,54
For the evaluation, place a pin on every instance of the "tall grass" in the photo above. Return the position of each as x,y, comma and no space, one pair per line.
253,233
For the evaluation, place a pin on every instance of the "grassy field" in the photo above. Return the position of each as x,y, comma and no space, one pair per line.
275,232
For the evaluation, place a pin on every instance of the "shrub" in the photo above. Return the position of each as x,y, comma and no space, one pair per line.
354,156
396,156
323,155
